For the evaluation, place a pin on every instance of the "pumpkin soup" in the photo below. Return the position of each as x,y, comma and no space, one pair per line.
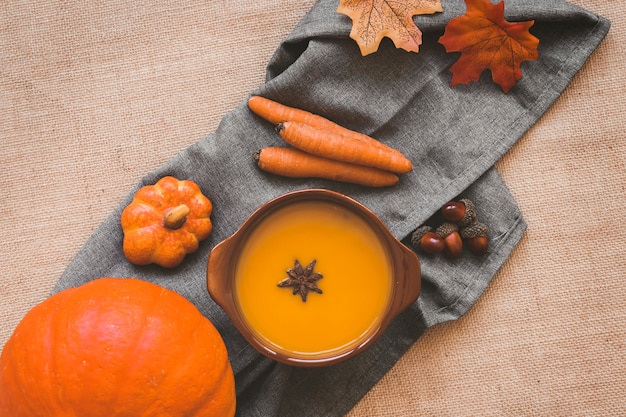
335,279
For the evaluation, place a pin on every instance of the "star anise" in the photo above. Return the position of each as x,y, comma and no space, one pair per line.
302,279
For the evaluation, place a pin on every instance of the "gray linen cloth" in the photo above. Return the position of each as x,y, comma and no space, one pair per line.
453,136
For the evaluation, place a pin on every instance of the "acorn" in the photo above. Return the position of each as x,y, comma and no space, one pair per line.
425,239
453,242
470,213
453,211
476,237
462,212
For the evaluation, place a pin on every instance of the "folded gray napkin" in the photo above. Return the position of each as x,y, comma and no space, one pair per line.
453,136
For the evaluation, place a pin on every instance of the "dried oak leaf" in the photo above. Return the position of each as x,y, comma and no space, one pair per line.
486,40
374,19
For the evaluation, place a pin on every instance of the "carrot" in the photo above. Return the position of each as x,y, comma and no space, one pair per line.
294,163
342,148
275,113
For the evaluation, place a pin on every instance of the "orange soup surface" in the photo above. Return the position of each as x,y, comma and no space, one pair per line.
356,283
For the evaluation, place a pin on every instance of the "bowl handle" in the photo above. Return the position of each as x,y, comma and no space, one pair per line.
409,279
218,282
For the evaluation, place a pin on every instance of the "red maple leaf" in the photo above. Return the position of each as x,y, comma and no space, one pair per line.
487,41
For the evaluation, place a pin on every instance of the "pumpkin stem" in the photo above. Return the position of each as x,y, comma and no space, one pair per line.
175,217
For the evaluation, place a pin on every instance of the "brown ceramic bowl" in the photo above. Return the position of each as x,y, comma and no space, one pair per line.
226,285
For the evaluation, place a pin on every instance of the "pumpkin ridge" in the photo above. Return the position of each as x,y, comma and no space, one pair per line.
199,227
183,368
50,340
144,205
10,375
18,346
209,395
165,249
53,319
212,394
130,356
189,242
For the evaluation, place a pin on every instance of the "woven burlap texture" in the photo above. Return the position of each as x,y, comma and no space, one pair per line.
95,95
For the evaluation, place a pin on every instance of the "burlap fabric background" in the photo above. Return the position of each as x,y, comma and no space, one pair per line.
93,96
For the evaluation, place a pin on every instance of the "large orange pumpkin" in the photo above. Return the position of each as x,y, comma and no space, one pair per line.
116,347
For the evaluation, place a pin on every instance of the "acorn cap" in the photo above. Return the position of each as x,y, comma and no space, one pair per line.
446,228
474,230
470,213
418,234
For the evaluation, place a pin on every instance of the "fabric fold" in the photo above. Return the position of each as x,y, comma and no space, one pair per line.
453,136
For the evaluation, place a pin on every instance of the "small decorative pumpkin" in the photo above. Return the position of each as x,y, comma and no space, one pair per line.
165,222
116,347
